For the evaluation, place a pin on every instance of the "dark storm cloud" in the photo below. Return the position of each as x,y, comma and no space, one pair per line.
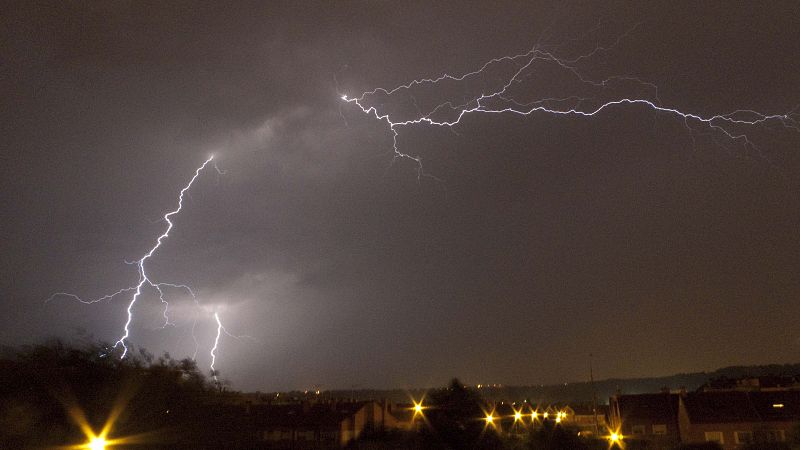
550,237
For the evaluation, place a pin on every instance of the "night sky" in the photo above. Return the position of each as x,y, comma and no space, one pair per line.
625,235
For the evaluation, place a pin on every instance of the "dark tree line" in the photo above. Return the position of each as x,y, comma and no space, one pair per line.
46,389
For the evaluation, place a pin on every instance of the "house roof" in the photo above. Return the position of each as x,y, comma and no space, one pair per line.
715,407
777,405
661,407
299,415
738,406
587,409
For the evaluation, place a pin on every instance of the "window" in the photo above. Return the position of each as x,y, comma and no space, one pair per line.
714,436
275,435
774,436
637,429
743,437
328,437
659,428
305,435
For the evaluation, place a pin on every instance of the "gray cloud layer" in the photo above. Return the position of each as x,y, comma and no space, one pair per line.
549,239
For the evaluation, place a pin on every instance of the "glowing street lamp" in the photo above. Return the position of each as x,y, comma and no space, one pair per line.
97,443
517,416
489,419
615,440
418,408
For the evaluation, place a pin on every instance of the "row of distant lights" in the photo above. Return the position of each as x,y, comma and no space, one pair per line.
490,418
518,416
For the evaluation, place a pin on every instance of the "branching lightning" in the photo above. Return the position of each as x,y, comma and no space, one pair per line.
220,330
504,98
216,344
145,280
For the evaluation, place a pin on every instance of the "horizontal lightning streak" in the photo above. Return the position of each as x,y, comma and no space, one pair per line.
505,104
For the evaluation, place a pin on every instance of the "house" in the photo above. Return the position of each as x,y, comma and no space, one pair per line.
588,419
651,418
324,425
736,418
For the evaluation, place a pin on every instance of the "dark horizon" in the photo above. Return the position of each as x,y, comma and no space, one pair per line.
658,245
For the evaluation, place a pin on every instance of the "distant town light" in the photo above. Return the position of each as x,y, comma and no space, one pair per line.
615,438
517,416
490,418
777,405
534,415
545,414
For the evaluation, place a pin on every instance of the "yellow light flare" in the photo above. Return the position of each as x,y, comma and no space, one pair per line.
101,440
97,443
517,416
615,440
419,408
490,419
534,415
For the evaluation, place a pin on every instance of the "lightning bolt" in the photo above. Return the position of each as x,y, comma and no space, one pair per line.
220,330
503,99
145,280
216,344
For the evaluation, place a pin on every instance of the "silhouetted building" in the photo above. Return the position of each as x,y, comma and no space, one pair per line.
320,425
647,417
585,418
731,418
735,418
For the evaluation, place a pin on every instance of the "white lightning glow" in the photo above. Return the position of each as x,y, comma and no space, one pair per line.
145,280
220,330
501,99
216,344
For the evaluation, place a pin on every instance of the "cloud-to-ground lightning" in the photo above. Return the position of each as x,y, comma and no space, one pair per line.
216,344
220,330
146,280
501,91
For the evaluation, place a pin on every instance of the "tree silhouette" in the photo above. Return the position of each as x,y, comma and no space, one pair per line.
44,388
456,420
